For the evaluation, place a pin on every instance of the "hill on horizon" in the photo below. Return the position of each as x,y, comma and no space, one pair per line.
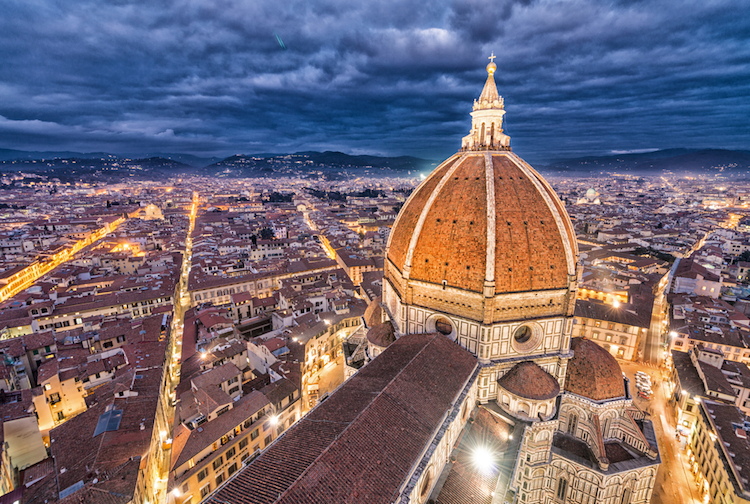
335,165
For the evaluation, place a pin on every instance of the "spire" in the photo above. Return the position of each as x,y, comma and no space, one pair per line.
489,96
487,117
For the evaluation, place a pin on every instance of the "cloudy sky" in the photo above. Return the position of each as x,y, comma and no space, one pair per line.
210,77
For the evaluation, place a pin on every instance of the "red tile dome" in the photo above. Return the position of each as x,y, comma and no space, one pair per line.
381,335
482,218
373,312
528,380
593,372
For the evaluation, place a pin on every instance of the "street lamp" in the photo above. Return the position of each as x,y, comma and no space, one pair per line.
616,303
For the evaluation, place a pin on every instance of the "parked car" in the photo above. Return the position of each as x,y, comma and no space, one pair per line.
644,395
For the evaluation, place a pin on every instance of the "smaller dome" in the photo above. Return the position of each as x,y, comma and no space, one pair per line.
528,380
381,335
373,313
593,372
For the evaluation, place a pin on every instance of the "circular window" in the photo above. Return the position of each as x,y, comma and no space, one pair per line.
443,326
522,334
527,337
426,485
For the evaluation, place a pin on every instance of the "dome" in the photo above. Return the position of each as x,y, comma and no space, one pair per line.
373,313
381,335
484,219
593,372
528,380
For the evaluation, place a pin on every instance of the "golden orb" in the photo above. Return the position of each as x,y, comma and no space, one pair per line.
491,68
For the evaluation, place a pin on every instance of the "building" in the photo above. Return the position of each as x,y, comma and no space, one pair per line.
479,287
618,329
719,453
702,374
692,278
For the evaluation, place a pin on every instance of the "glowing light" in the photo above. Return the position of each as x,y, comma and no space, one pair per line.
616,303
203,354
274,420
697,399
483,460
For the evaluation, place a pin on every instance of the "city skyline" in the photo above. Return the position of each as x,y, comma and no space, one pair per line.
578,78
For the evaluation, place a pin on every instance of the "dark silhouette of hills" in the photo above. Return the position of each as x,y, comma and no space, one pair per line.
11,154
679,161
330,165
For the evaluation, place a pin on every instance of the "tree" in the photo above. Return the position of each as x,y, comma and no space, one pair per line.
745,256
267,234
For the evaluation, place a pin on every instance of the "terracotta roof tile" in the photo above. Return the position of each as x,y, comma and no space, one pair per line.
362,442
527,379
593,372
381,335
530,245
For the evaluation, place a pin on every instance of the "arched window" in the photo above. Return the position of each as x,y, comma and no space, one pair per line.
572,424
562,489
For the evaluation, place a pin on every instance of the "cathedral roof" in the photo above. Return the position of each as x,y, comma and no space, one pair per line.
528,380
364,441
484,218
593,372
381,335
373,312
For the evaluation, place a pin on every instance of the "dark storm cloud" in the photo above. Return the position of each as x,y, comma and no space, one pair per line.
386,77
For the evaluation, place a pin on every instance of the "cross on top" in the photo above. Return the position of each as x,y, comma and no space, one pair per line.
492,57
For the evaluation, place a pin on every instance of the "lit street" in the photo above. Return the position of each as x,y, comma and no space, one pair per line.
674,483
161,446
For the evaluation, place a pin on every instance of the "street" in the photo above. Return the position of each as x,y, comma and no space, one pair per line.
674,482
327,379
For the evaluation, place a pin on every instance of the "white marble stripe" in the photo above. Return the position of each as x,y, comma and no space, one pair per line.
491,215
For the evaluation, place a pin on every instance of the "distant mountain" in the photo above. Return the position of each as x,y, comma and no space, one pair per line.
187,159
10,155
330,165
74,166
678,161
98,169
327,164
